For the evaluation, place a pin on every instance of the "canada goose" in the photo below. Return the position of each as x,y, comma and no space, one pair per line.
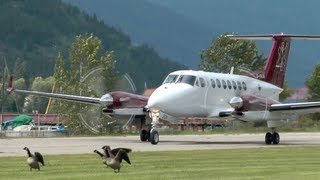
34,160
114,151
103,157
115,161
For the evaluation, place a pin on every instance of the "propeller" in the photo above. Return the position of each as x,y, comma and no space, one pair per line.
92,116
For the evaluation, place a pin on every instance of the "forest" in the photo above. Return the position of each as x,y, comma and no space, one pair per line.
33,32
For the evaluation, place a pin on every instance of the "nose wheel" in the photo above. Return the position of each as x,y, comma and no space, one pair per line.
154,137
153,134
144,135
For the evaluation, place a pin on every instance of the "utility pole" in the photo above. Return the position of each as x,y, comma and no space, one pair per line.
80,73
2,88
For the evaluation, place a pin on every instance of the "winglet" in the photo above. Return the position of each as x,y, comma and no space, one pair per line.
10,84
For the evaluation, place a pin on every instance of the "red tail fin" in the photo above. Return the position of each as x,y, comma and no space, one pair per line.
277,62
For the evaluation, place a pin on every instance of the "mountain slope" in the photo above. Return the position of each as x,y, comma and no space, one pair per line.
172,35
33,31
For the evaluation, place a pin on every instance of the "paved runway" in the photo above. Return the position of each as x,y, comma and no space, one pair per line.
80,145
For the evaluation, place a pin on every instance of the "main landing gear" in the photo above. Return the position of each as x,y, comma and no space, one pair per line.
273,137
151,135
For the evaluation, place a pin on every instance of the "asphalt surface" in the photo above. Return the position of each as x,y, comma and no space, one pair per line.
82,145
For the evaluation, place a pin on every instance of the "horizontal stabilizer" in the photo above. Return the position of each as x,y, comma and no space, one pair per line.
272,36
294,106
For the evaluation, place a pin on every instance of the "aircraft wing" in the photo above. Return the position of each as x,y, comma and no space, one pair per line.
296,108
74,98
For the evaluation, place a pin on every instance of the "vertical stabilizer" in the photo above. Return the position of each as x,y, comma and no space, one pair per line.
277,62
276,66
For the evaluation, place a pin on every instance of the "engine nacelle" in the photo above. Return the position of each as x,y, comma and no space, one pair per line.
236,102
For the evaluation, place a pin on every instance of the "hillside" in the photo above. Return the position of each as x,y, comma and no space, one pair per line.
34,31
172,35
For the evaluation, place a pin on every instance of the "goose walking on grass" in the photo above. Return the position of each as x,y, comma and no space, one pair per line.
103,157
115,157
34,160
114,151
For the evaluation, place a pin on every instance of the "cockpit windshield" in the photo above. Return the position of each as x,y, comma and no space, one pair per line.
188,79
170,79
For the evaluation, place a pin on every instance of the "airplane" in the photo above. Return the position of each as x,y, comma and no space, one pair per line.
210,95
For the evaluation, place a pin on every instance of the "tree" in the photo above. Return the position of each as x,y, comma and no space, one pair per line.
286,92
225,52
36,103
313,84
20,70
83,60
18,99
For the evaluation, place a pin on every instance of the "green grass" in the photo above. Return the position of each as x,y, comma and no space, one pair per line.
255,163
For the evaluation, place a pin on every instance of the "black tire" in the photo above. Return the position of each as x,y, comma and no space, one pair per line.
268,138
154,137
144,135
275,138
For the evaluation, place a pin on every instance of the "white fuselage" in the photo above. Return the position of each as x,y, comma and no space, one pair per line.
206,94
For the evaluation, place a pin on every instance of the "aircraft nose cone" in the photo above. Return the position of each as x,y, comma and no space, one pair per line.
153,102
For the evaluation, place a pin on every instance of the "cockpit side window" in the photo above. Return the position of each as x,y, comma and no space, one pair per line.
170,79
202,82
197,83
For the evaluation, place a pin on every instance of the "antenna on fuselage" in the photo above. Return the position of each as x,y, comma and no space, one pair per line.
231,70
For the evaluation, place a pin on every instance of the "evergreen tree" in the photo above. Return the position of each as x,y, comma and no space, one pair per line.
225,52
84,60
313,84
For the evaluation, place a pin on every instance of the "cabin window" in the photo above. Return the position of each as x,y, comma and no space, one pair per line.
170,79
202,82
224,84
229,84
239,85
188,79
244,86
234,85
213,83
218,83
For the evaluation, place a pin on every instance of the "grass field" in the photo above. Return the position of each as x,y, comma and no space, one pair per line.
259,163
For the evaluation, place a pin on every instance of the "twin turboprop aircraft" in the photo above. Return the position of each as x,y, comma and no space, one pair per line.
198,94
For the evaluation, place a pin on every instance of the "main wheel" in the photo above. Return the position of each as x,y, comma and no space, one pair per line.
275,138
144,135
154,137
268,138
